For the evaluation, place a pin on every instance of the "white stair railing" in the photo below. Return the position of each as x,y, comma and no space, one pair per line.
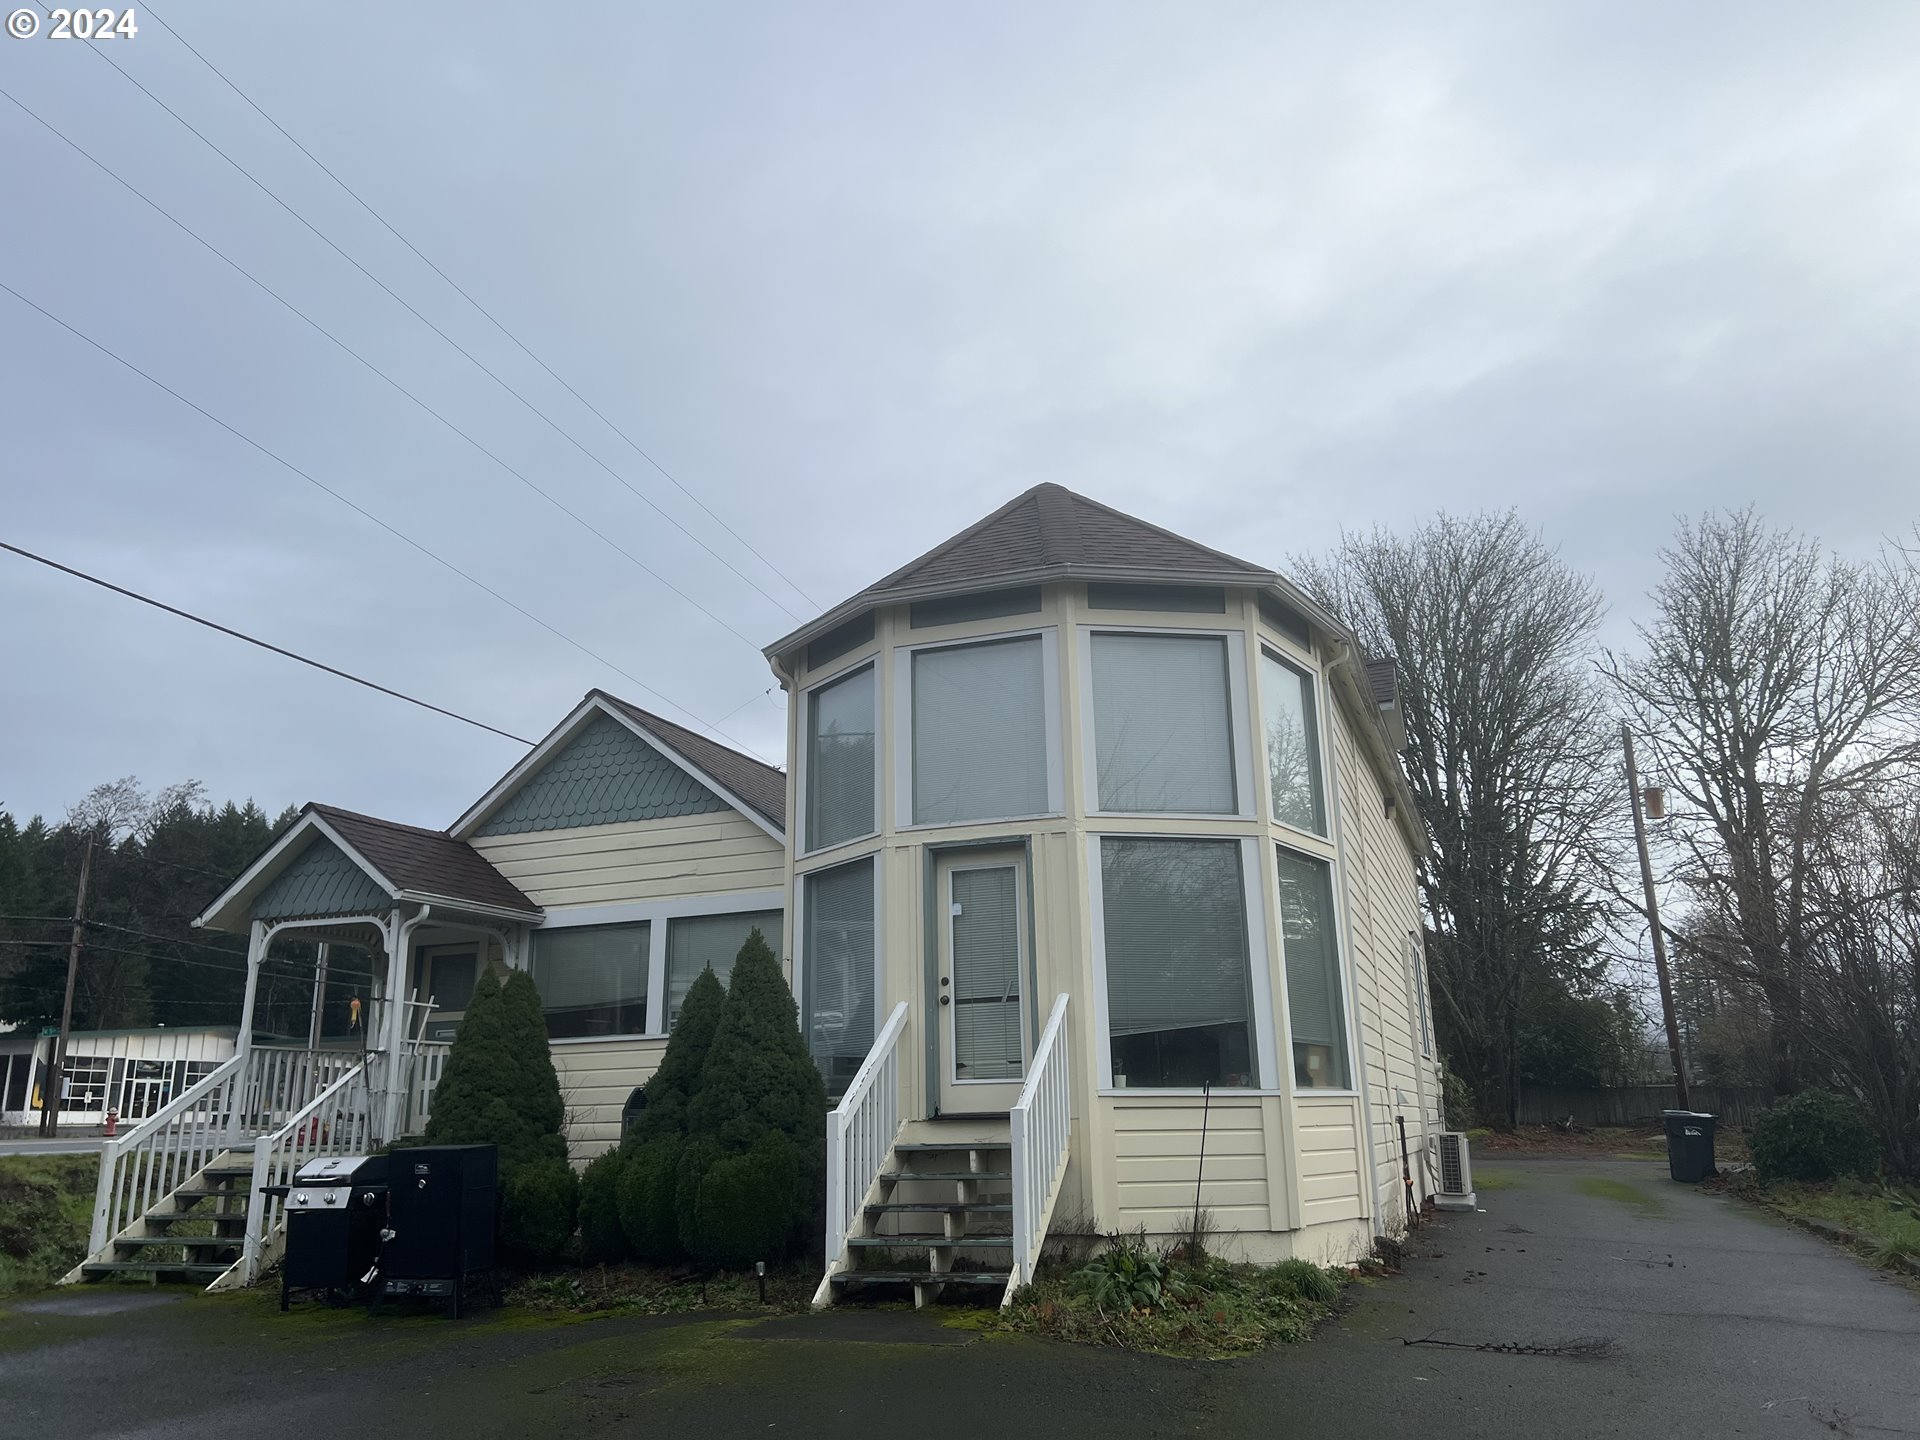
860,1135
283,1079
426,1063
164,1151
1041,1124
338,1121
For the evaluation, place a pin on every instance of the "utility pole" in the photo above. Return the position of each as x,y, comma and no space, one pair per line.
1653,923
57,1071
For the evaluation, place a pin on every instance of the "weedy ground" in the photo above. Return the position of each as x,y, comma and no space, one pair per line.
46,1209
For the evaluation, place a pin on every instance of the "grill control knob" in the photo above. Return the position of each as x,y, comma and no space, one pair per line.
328,1198
301,1198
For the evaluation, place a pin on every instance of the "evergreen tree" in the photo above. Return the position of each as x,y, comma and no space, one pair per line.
755,1134
602,1239
647,1196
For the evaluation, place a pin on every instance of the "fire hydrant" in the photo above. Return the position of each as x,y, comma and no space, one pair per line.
113,1123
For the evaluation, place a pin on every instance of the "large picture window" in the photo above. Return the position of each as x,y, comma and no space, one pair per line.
979,732
711,942
1163,733
593,979
1291,729
840,759
1179,980
1308,930
836,982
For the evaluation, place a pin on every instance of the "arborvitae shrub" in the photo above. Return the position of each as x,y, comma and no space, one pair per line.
539,1203
670,1090
1815,1135
499,1087
602,1240
648,1217
761,1107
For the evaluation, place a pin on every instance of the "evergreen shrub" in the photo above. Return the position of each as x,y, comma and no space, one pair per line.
1815,1135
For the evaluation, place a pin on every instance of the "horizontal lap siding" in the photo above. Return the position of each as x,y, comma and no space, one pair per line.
1327,1142
1156,1157
595,1081
639,860
1382,899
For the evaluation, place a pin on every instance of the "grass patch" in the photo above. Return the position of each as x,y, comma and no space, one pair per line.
1486,1177
1886,1216
645,1290
1164,1303
46,1214
1602,1188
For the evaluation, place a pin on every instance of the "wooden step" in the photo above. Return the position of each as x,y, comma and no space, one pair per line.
228,1193
193,1242
227,1172
946,1175
997,1278
953,1147
931,1242
154,1267
939,1207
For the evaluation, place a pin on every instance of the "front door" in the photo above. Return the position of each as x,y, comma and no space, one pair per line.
982,1030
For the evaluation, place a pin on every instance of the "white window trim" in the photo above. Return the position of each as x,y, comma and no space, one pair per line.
798,934
1321,725
656,913
803,752
1343,964
1265,1054
1049,637
1240,715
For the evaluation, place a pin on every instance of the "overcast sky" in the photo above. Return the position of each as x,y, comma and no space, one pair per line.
857,274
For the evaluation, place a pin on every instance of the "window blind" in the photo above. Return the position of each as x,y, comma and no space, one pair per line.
840,724
1292,732
986,974
1162,731
837,976
979,732
593,978
1176,961
711,942
1307,927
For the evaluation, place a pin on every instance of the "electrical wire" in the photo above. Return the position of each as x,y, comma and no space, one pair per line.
296,311
264,644
404,304
368,515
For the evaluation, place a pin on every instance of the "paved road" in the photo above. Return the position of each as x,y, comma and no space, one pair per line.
64,1145
1688,1315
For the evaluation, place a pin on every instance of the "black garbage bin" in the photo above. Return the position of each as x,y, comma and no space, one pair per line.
1689,1145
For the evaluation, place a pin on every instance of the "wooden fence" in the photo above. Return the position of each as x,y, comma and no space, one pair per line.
1544,1104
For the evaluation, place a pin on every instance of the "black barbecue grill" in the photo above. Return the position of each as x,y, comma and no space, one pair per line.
336,1210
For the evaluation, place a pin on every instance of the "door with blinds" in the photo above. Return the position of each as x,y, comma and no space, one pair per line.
983,1032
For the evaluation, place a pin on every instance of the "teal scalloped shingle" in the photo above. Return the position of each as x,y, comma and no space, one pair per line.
323,881
607,774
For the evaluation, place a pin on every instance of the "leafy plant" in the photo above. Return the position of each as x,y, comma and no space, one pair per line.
1128,1277
1815,1135
1308,1281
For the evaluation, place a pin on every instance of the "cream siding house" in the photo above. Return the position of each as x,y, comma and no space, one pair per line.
1071,784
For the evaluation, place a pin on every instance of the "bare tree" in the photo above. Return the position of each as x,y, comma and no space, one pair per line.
1508,752
1773,683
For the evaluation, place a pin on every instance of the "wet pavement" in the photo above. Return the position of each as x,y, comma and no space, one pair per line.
1612,1302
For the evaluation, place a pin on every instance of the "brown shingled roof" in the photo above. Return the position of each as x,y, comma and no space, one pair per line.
753,781
429,862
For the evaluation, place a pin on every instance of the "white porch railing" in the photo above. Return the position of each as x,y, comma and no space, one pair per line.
337,1121
281,1080
427,1062
164,1151
860,1135
1041,1123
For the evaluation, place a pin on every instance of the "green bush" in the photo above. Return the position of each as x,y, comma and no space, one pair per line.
745,1205
1815,1135
499,1087
602,1238
758,1082
539,1205
1126,1278
671,1089
1307,1281
648,1216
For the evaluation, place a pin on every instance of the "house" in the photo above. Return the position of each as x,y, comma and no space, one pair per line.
129,1073
1094,867
1099,852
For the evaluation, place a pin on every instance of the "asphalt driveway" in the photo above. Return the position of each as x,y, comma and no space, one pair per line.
1629,1306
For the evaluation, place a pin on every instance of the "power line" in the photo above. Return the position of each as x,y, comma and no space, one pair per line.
472,359
263,644
267,289
365,514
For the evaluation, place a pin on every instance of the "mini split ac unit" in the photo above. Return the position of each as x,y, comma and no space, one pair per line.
1456,1173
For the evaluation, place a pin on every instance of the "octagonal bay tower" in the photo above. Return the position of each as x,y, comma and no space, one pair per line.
1102,886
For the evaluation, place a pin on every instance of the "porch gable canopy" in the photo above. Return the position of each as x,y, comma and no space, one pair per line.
339,862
